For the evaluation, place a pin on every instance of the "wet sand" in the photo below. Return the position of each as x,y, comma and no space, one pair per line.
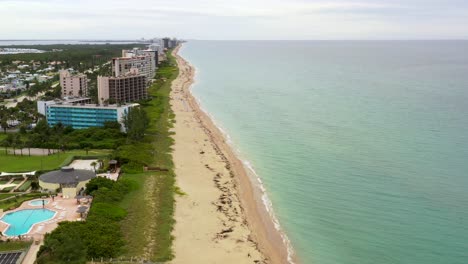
220,218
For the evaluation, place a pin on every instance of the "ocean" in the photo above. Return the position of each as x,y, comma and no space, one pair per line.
362,146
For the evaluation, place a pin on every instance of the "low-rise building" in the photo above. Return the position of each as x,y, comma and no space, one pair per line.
78,114
70,181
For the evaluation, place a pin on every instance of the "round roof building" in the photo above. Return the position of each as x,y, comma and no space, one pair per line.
70,180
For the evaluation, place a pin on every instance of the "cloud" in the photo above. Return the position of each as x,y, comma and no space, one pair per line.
235,19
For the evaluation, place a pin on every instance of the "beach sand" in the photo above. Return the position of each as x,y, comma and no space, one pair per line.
220,219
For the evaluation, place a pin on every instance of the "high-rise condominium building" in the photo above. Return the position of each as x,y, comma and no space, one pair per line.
143,60
165,43
73,85
130,87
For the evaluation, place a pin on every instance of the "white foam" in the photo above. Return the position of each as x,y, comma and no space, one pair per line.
269,208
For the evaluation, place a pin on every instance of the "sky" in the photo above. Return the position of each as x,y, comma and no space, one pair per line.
234,19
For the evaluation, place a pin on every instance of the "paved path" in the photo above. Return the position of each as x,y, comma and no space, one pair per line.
19,184
30,257
84,164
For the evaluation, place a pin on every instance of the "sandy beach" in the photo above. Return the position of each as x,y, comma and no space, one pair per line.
220,219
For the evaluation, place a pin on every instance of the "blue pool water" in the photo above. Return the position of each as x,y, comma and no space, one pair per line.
21,221
38,202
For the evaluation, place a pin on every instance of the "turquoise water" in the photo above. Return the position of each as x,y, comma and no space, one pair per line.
38,202
362,146
21,221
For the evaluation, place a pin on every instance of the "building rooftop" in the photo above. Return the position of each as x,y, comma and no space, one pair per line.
83,102
67,175
100,106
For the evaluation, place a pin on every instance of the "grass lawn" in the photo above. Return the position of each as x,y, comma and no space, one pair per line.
13,203
148,225
11,163
17,181
14,245
149,222
7,189
2,136
6,195
24,187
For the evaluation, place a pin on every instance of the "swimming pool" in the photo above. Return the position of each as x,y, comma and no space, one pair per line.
21,221
38,202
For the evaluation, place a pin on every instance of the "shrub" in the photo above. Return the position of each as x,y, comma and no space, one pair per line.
100,236
98,182
107,211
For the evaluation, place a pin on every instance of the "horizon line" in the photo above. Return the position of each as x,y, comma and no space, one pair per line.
196,39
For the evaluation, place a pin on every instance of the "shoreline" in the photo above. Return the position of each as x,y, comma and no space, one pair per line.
261,226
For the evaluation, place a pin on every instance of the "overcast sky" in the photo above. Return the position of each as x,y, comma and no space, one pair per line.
234,19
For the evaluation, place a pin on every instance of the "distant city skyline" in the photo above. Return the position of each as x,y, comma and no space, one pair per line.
234,20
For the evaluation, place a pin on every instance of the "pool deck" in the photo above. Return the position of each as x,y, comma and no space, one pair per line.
65,210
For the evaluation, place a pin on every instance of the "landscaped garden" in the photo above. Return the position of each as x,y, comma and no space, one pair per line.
6,195
25,186
14,245
12,203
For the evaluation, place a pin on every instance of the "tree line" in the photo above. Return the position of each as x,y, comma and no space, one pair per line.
78,57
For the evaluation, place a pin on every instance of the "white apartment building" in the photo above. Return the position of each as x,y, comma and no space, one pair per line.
143,60
156,47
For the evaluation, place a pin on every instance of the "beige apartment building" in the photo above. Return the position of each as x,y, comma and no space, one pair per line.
130,87
73,85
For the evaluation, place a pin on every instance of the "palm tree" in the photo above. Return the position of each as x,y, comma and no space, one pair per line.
94,165
29,142
4,123
6,144
20,144
17,143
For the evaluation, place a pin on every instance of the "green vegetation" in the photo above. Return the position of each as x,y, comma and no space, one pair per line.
149,222
11,204
136,122
99,236
25,186
65,138
6,195
25,111
17,181
42,87
13,245
10,163
83,58
64,245
78,57
133,216
7,189
155,147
